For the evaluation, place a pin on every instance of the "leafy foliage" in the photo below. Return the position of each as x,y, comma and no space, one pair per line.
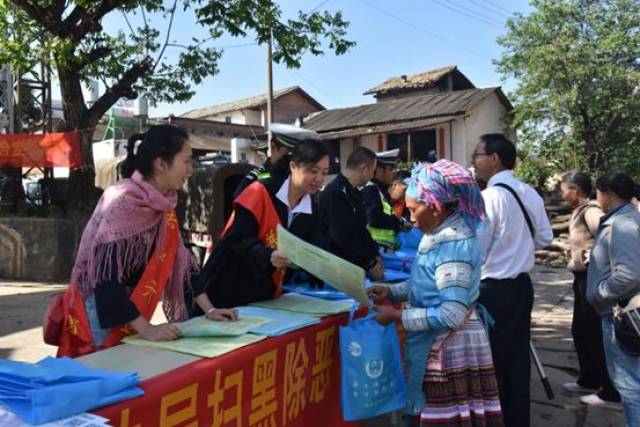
577,64
69,35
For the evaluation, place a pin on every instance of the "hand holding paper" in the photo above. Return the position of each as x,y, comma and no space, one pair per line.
341,274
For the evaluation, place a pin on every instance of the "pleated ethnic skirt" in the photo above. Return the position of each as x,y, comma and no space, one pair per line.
460,383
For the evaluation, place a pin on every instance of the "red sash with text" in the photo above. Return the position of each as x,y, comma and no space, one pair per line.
256,199
76,338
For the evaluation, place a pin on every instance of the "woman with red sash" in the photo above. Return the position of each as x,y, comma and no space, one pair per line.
245,265
131,253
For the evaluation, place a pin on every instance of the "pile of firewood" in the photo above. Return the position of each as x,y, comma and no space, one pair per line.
556,254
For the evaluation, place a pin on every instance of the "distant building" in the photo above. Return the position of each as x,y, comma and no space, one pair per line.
289,105
438,112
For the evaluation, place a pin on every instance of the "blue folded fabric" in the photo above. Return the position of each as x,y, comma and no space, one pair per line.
409,240
281,321
395,275
326,292
58,388
399,260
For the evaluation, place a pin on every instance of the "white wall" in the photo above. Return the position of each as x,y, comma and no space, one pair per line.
252,117
459,138
486,117
237,117
346,147
370,141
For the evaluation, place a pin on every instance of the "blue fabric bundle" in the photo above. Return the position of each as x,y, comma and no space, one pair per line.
58,388
399,261
409,240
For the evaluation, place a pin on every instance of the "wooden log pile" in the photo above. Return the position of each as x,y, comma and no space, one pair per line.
556,254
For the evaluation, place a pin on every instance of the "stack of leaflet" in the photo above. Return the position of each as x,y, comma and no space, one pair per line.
280,323
57,388
203,327
304,304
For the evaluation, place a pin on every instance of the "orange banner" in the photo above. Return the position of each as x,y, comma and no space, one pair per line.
41,150
290,381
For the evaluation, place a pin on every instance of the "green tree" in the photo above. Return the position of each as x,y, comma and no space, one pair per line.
577,66
68,35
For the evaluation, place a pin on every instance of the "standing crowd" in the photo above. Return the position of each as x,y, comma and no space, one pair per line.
469,296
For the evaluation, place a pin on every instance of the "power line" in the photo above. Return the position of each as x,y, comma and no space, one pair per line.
301,78
422,30
484,7
510,12
322,3
470,14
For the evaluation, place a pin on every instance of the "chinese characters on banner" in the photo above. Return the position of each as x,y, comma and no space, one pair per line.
292,381
41,150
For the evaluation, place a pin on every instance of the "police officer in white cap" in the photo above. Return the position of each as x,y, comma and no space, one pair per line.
284,138
381,222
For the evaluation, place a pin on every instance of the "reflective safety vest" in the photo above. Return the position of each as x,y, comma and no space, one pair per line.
383,236
260,174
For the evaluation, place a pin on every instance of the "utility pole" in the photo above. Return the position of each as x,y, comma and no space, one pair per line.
269,92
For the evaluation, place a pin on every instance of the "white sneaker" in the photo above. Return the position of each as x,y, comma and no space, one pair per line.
577,388
595,400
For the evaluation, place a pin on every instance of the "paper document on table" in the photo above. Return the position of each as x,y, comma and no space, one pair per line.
204,347
304,304
203,327
341,274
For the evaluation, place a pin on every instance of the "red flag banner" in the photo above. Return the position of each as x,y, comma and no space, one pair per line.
41,150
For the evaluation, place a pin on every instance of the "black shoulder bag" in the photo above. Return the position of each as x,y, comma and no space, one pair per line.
524,211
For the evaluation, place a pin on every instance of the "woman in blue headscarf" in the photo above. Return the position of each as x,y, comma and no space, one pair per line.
451,379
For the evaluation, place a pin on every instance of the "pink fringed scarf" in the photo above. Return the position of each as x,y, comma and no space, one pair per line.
128,223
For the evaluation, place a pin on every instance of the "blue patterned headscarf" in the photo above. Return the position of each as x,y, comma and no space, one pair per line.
444,181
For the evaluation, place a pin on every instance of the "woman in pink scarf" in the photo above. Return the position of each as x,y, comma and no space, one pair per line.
131,254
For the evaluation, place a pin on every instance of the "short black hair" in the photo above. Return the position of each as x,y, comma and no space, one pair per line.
497,143
580,180
402,175
620,184
360,156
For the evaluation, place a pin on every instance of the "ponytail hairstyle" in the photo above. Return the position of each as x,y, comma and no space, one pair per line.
160,141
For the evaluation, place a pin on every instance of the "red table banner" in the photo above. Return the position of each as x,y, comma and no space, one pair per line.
292,380
41,150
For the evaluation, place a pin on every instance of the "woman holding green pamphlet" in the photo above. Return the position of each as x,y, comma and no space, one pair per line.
451,378
245,265
131,255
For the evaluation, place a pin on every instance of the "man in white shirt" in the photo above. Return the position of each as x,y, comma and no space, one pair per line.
508,241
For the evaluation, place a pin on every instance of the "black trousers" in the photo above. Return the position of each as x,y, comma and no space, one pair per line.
510,301
586,330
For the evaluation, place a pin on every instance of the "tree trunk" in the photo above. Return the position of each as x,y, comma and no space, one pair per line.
81,194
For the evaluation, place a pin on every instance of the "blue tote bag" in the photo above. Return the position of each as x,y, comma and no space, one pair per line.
372,380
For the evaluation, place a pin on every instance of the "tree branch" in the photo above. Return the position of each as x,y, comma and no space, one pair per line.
92,56
38,14
121,88
166,40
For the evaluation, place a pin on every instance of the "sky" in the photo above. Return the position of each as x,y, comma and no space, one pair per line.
393,37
